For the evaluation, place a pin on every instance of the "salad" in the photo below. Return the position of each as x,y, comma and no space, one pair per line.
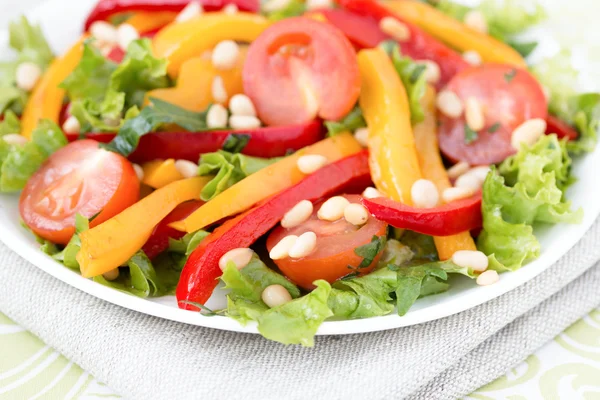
321,160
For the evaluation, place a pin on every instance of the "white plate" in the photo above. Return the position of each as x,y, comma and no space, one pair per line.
62,24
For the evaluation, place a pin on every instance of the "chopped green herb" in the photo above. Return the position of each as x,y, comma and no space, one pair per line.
207,312
368,252
509,76
470,135
351,122
236,142
494,128
523,48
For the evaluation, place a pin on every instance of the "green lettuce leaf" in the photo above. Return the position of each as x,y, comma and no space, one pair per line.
68,256
413,78
228,170
187,244
584,113
11,124
152,117
297,322
410,281
19,163
294,8
30,43
351,122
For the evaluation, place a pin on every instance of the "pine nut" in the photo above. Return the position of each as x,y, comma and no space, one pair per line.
104,32
219,93
475,19
125,35
362,136
488,278
244,122
186,168
240,257
371,193
71,125
111,275
225,55
449,104
356,214
528,132
333,208
457,169
311,163
240,104
282,249
139,171
394,28
191,11
275,5
424,194
470,259
298,214
456,193
15,139
318,4
433,73
473,179
480,172
474,114
472,57
27,76
230,9
275,295
217,116
304,245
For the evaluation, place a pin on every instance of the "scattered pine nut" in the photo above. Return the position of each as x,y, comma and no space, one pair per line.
456,193
219,93
225,55
449,104
139,171
356,214
111,275
457,169
191,11
488,278
71,125
27,75
15,139
311,163
394,28
362,136
125,35
282,249
231,9
304,245
474,114
424,194
240,257
371,193
217,116
275,295
298,214
244,122
528,132
186,168
476,20
333,208
104,32
240,104
472,57
471,259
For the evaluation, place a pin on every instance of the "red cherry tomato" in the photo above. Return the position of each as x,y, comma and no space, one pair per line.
334,254
79,178
508,96
300,68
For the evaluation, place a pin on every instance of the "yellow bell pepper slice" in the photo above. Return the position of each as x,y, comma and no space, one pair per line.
46,100
178,42
455,33
148,21
265,183
433,169
160,173
383,100
110,244
194,85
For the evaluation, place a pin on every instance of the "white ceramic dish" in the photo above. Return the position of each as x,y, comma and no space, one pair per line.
62,25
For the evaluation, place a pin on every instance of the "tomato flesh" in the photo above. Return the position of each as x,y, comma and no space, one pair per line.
508,96
300,69
334,254
81,178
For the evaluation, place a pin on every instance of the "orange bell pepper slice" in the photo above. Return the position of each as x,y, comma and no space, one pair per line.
433,169
194,85
180,41
160,173
455,33
47,98
113,242
384,102
149,21
265,183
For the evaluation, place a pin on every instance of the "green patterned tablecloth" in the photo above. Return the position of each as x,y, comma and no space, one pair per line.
566,368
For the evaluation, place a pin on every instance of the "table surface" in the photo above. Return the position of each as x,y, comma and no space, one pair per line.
567,367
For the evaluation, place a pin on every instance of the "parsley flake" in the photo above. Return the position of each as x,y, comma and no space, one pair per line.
368,252
494,128
236,142
510,75
470,135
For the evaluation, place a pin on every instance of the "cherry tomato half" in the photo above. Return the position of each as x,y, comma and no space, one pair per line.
334,254
300,68
508,97
79,178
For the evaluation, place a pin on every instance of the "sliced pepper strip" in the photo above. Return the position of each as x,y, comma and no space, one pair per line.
181,41
265,183
110,244
199,276
455,33
421,45
383,100
107,8
561,128
46,101
448,219
145,22
433,169
160,173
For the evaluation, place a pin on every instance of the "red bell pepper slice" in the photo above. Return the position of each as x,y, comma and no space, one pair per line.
159,239
448,219
107,8
421,45
274,141
201,272
561,128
